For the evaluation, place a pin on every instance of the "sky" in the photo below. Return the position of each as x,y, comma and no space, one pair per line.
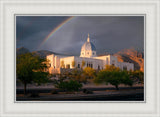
67,34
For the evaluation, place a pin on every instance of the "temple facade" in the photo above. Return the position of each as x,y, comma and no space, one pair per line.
87,58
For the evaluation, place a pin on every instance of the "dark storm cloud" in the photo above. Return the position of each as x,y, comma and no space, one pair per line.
108,33
27,26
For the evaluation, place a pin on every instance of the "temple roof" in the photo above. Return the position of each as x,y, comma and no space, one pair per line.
88,45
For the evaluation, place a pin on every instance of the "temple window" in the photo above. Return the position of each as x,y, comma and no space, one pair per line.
91,66
124,67
113,62
78,65
98,67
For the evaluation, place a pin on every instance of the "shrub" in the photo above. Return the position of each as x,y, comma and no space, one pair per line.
87,91
70,85
54,92
34,95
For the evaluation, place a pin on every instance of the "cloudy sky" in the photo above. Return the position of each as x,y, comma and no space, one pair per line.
66,34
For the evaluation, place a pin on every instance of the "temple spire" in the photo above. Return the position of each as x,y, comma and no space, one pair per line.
88,39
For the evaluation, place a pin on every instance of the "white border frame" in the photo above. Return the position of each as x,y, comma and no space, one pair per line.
150,8
144,91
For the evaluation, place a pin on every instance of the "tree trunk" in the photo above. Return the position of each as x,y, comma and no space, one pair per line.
117,88
25,85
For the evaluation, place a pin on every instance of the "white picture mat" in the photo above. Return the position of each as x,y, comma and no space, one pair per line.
10,108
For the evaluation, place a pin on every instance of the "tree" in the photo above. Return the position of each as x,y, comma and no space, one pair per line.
111,68
78,75
139,75
88,73
113,76
31,68
83,63
73,64
62,64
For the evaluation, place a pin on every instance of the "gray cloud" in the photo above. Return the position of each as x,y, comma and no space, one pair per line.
109,33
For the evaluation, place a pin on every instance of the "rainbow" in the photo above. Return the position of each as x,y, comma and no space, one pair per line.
55,30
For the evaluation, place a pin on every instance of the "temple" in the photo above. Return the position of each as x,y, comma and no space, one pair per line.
87,58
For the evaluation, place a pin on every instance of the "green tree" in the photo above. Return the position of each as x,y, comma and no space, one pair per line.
114,76
139,75
31,68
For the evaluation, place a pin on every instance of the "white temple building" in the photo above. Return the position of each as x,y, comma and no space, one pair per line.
89,57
